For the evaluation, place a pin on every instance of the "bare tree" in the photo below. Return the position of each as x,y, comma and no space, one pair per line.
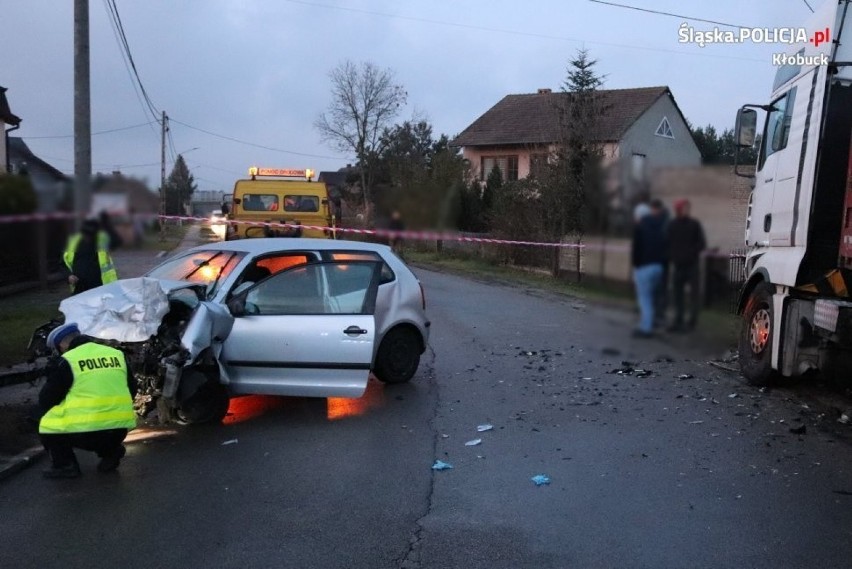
364,101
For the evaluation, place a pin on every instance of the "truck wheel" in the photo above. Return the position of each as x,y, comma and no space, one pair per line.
209,404
398,356
755,340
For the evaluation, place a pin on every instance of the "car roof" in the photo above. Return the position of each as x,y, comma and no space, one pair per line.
260,245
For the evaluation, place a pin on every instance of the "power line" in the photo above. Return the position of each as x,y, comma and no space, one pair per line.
247,143
224,170
658,12
808,5
112,9
528,34
94,133
102,164
121,51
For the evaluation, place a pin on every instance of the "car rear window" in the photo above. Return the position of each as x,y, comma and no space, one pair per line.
387,273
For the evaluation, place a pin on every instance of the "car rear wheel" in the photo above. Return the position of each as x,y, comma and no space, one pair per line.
209,404
398,356
755,341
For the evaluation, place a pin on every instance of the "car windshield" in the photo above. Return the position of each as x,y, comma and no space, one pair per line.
208,267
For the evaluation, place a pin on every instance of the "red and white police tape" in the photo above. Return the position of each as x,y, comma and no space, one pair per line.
387,233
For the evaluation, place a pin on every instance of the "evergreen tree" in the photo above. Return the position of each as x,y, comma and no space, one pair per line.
179,188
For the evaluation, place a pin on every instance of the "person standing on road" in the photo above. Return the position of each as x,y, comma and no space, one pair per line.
661,298
648,258
686,242
86,403
396,224
87,258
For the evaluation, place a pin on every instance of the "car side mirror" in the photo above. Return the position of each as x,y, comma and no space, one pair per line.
237,306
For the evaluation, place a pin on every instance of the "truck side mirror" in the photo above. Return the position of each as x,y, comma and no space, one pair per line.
746,127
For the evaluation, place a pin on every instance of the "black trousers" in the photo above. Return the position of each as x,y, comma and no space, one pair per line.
686,275
60,446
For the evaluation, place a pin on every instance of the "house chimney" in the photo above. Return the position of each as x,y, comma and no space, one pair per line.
544,91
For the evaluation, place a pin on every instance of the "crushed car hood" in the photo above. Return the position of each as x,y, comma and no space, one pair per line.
128,310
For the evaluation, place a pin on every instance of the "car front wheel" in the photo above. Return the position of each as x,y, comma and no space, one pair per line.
398,356
209,404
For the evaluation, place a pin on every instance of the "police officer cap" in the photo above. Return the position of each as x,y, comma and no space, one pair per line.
60,333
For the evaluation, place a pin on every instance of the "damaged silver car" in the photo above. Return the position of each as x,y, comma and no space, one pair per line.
298,317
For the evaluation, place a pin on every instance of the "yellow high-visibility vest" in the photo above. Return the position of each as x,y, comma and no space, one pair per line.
108,272
98,399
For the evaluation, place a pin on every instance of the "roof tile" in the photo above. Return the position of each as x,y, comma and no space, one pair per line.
532,118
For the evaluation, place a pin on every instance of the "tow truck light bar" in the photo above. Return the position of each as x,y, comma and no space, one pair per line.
254,172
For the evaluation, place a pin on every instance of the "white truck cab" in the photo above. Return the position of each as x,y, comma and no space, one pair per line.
795,303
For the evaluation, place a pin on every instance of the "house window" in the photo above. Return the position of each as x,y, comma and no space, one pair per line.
508,166
665,129
637,167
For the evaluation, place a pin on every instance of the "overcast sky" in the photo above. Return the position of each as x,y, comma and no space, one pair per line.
257,70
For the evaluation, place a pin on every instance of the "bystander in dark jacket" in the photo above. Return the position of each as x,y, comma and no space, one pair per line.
649,257
686,242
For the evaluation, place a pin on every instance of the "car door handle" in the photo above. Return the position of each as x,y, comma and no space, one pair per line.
354,331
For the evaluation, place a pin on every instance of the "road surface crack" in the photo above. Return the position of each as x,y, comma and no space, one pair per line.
411,558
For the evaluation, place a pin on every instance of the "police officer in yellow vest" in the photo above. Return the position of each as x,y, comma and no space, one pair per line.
87,258
87,403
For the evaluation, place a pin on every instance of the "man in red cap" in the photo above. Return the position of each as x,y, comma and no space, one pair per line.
686,242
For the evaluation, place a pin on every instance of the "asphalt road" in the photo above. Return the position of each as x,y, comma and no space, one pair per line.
655,471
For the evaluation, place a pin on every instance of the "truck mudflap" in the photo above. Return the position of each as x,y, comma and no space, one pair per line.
836,283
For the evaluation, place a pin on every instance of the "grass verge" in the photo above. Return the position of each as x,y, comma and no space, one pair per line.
21,314
170,238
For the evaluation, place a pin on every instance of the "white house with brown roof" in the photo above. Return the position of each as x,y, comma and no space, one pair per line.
642,130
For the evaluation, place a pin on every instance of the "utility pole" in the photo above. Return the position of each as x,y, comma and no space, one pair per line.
164,127
82,113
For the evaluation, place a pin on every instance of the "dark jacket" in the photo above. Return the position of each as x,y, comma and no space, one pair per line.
86,266
60,378
686,240
649,242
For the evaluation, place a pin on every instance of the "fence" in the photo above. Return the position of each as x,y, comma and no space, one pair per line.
31,253
603,262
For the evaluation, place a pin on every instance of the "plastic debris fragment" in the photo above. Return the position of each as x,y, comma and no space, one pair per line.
540,479
230,442
441,465
485,427
473,443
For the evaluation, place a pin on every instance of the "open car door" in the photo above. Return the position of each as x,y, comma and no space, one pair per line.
308,331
